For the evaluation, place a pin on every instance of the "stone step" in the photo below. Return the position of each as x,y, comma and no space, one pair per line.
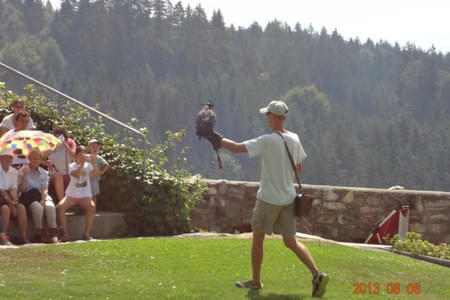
106,225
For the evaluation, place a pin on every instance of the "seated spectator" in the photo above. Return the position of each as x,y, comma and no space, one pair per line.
9,202
79,191
3,240
102,166
33,184
59,162
8,121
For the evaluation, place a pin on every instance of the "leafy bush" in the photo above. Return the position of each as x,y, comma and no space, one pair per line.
156,202
415,245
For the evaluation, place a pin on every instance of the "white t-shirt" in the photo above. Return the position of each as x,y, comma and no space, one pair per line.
277,174
17,160
8,179
8,122
61,159
80,187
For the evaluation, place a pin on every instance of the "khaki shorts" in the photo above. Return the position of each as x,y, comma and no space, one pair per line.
270,218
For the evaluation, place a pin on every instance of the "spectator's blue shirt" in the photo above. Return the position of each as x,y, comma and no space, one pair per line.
35,179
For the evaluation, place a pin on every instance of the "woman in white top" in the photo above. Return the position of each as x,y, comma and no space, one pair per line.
79,191
59,161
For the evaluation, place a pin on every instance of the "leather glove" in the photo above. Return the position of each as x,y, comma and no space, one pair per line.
215,139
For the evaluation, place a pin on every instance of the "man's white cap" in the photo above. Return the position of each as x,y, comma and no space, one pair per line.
276,107
7,151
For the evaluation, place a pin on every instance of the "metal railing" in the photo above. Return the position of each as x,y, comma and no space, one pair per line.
47,87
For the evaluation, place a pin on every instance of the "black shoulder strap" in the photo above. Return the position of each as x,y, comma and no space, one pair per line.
291,159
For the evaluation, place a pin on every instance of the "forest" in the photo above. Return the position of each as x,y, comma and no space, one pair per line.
369,113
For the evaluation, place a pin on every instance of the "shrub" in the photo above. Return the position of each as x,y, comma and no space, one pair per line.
415,245
156,202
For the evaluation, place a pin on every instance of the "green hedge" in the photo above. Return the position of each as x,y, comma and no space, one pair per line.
157,203
415,245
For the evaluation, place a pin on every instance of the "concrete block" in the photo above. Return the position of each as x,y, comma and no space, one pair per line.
370,209
334,205
348,198
212,191
417,227
329,195
437,228
438,218
325,219
373,201
438,203
106,225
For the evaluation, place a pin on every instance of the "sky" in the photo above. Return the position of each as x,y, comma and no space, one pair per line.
423,23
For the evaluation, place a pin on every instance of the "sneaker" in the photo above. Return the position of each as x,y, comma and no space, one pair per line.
319,283
249,284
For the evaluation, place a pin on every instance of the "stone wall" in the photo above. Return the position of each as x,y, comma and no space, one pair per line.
339,213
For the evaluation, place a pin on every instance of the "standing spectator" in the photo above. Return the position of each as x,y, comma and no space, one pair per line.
21,120
8,121
102,166
79,191
59,162
33,185
9,202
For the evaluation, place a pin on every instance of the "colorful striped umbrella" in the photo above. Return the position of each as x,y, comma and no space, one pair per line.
23,141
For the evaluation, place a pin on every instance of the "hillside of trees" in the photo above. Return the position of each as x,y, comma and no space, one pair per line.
368,113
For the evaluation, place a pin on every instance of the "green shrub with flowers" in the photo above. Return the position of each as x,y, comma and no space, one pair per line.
156,202
415,245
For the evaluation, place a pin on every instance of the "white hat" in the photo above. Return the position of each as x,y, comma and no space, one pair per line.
93,141
276,107
7,151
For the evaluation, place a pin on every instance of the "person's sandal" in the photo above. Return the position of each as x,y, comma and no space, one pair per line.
64,238
87,237
249,284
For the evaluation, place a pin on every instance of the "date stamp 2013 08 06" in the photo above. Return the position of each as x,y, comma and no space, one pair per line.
392,288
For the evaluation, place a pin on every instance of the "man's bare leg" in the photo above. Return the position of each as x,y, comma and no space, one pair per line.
302,252
257,255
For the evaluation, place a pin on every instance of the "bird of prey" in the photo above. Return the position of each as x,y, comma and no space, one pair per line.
205,121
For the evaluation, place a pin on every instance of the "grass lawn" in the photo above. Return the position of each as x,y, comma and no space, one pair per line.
205,268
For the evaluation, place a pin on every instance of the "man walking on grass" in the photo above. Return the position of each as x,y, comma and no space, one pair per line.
274,209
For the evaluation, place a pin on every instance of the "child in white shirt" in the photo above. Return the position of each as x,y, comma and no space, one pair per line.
79,191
